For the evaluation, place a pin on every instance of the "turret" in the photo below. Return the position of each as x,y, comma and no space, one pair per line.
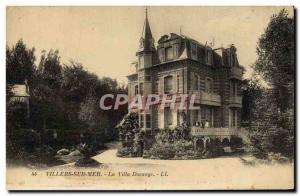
146,49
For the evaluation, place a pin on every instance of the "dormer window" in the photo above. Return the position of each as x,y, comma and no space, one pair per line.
161,54
194,51
209,57
169,53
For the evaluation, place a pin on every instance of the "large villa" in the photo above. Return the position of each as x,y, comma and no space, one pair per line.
182,65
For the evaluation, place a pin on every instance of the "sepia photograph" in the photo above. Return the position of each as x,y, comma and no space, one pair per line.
150,98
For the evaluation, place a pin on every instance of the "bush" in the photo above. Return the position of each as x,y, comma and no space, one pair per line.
125,152
173,144
22,140
129,135
236,142
274,139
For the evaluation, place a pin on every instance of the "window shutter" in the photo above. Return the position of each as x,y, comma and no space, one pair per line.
161,85
160,118
174,89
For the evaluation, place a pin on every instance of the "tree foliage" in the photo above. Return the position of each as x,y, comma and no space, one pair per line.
272,109
251,89
19,63
62,96
276,58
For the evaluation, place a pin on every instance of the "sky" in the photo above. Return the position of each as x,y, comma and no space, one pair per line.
105,39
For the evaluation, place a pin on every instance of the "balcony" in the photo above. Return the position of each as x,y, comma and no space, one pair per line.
213,131
236,73
210,99
205,98
235,101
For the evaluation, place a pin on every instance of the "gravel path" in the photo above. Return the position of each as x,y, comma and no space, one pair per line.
138,173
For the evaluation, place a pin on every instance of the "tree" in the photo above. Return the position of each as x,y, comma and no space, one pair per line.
96,121
251,90
19,63
62,97
77,83
272,121
50,69
47,107
276,58
271,130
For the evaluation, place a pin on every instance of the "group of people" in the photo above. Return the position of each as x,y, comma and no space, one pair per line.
203,124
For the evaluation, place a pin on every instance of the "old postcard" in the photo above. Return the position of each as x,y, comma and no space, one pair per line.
150,98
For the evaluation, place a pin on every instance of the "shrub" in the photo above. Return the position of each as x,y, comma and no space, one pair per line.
124,152
130,136
273,139
172,144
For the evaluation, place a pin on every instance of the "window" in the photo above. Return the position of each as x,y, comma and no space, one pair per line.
169,53
194,51
168,117
195,117
136,90
176,50
208,85
233,88
210,116
147,75
148,78
141,88
181,117
232,118
161,54
142,121
148,121
209,57
141,62
197,82
207,114
168,80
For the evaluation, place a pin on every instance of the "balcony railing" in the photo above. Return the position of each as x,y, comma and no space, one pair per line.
235,101
236,72
210,99
205,98
212,131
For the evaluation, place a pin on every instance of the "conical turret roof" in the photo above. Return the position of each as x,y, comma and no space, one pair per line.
146,41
